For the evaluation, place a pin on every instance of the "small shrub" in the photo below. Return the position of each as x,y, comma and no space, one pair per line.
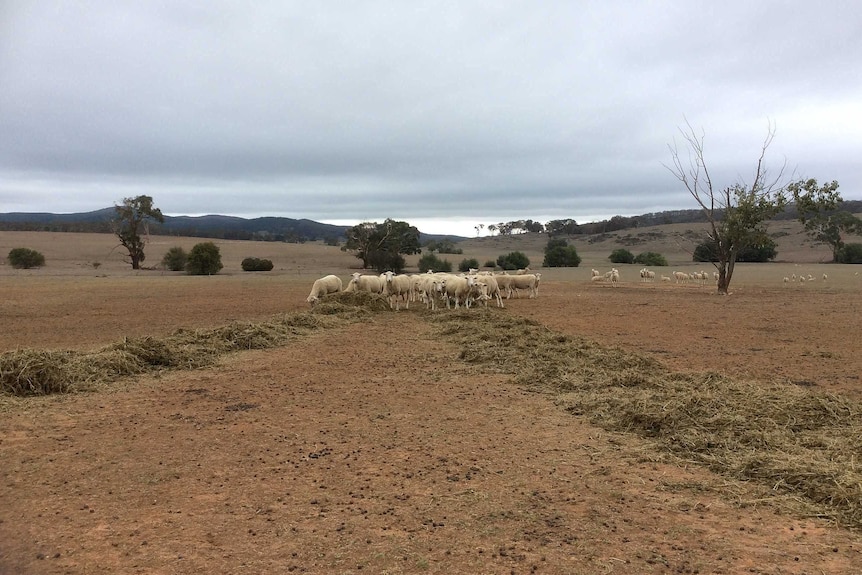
513,261
621,256
256,265
490,264
204,259
650,259
25,258
850,254
433,263
467,264
175,259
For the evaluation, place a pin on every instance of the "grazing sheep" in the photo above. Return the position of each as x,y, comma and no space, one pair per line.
595,273
325,285
615,276
825,277
665,278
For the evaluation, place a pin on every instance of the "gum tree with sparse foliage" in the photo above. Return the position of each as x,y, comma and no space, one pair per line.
132,219
736,214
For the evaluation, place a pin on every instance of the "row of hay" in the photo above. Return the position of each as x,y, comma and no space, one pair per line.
30,372
795,441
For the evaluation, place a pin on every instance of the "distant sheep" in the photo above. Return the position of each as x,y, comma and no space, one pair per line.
325,285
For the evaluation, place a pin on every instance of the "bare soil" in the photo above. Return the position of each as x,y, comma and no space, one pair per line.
374,449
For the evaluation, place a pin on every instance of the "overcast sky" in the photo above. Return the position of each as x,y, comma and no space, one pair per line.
443,114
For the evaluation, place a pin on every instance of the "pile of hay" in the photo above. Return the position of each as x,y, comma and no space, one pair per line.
30,372
795,441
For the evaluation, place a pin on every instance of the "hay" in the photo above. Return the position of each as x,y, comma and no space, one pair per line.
36,372
794,441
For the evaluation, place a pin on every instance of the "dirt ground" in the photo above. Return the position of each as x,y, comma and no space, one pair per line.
373,449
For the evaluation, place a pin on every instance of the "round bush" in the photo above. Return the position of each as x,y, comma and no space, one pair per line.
559,254
513,261
433,263
650,259
25,258
622,256
850,254
175,259
256,265
467,264
204,259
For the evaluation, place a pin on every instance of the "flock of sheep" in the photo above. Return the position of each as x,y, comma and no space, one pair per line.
433,289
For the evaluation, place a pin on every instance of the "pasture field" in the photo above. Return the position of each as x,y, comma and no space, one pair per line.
388,444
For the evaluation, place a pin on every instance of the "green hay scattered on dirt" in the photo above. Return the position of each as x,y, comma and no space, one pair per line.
35,372
794,441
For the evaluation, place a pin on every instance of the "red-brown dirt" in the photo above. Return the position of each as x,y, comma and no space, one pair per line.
372,449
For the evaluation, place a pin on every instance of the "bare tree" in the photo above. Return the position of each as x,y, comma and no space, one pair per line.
736,214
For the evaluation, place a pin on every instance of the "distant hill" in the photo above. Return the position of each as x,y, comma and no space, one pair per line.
294,231
210,226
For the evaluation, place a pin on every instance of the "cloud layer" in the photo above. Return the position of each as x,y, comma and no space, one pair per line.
471,111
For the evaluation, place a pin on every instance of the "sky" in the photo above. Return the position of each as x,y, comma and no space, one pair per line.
444,114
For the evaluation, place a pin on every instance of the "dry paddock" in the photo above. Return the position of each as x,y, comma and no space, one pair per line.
376,447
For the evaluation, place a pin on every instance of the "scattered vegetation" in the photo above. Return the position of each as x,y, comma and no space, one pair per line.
444,246
204,260
256,265
513,261
490,264
25,258
765,251
175,259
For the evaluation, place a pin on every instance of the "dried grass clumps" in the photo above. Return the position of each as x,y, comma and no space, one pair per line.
33,372
795,441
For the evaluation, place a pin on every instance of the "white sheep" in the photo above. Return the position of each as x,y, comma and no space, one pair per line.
825,277
325,285
431,290
396,288
595,273
665,278
493,288
527,282
369,283
615,276
458,289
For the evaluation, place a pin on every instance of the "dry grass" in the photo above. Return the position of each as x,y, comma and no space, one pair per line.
31,372
792,440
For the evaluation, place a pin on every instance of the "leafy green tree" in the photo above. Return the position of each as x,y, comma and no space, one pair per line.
131,219
736,214
513,261
650,259
708,252
819,210
559,254
380,245
25,258
621,256
204,260
175,259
